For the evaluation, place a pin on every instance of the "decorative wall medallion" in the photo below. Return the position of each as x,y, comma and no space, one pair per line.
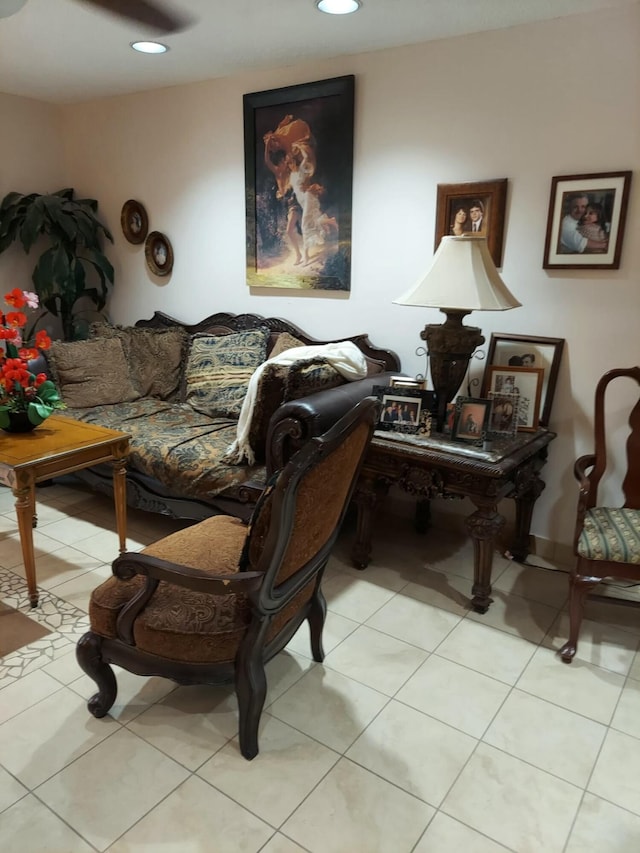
134,221
159,254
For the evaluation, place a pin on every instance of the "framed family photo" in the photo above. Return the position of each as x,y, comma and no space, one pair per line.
528,351
526,382
503,421
403,409
471,420
298,149
473,208
585,224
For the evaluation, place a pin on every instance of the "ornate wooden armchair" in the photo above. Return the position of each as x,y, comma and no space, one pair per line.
214,602
607,540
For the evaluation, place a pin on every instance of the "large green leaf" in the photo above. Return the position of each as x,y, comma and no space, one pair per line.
33,223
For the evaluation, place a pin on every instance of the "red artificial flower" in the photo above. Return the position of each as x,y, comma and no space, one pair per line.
28,354
16,319
16,298
43,341
40,378
8,334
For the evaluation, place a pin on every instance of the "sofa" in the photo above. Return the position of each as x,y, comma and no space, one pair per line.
178,389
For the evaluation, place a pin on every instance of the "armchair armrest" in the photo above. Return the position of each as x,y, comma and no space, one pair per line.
156,569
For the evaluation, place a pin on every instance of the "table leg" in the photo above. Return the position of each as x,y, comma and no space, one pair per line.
120,500
422,517
525,500
24,492
483,526
366,496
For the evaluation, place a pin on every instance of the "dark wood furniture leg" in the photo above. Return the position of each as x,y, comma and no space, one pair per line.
368,493
525,500
483,526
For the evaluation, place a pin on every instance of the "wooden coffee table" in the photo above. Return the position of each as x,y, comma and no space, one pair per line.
59,446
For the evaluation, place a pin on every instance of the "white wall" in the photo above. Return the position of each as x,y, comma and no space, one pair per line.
527,103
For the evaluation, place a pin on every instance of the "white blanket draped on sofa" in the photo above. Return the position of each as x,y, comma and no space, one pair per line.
344,356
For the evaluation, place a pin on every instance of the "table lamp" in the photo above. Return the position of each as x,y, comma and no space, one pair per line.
462,278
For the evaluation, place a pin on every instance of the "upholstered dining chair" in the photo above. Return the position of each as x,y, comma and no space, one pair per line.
214,602
606,539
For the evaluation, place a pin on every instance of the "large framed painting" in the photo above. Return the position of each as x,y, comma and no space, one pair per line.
585,225
298,146
476,207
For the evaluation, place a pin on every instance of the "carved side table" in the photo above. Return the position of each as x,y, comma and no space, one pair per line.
437,467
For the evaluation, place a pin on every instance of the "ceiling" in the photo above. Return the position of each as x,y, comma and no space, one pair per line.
65,50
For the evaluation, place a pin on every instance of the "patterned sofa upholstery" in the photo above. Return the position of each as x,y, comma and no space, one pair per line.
179,437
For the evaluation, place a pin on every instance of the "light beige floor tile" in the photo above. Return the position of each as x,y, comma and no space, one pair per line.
65,564
329,706
280,844
616,776
547,586
599,643
65,668
72,529
30,827
10,792
446,835
104,546
64,728
443,689
77,591
518,616
487,650
448,592
336,628
419,754
354,598
413,621
621,616
602,826
283,671
11,549
386,576
634,671
513,803
107,790
136,693
190,724
354,810
579,686
272,785
22,694
627,716
549,737
375,659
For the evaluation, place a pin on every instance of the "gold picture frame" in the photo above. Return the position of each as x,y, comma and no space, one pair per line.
488,198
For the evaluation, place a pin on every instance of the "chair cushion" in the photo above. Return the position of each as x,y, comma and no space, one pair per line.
155,356
611,534
91,373
219,368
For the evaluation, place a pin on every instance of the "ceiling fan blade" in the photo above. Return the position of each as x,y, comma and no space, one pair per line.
150,14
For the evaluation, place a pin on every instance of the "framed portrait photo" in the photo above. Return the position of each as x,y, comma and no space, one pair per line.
158,253
471,420
475,207
298,154
503,420
403,409
507,350
586,220
408,382
134,221
526,382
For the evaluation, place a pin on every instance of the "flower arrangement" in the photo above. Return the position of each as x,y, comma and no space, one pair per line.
20,389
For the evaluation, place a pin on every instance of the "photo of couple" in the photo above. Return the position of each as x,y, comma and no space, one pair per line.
586,222
467,216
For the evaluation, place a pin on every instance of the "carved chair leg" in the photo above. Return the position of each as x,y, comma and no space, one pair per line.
251,687
89,656
579,587
316,619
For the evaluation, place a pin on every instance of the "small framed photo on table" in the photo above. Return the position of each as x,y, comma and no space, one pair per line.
403,409
503,421
526,382
471,420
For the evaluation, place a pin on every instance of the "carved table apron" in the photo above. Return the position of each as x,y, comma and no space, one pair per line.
435,467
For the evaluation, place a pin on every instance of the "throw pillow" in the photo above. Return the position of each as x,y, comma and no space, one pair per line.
91,373
284,342
307,377
269,397
155,356
219,368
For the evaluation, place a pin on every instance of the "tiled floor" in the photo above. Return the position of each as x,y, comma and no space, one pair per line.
428,728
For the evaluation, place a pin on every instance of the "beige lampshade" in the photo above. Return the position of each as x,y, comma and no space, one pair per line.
462,276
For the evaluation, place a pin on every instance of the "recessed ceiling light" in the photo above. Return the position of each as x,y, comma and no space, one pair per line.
338,7
149,46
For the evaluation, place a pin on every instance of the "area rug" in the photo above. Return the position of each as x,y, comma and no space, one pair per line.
18,630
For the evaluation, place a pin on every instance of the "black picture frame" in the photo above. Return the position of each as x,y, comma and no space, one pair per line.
491,196
134,221
419,406
571,243
471,420
527,350
298,151
503,417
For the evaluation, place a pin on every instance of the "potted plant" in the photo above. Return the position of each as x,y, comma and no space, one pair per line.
73,266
